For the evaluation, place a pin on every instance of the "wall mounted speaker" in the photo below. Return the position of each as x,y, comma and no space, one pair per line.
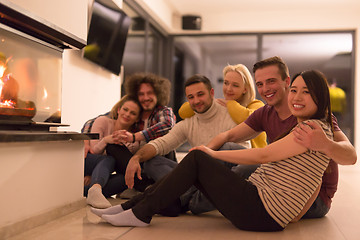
191,22
137,24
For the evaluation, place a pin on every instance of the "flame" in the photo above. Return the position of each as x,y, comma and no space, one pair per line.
45,94
1,85
2,70
7,104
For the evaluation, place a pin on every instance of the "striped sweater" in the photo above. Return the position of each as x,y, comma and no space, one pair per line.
285,186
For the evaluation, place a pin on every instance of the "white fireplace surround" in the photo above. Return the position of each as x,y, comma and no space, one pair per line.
40,179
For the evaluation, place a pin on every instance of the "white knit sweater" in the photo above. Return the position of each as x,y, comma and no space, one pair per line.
197,130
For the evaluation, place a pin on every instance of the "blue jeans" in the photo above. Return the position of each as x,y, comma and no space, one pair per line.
317,210
159,166
100,168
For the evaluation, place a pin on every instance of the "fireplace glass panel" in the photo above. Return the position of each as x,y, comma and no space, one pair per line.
30,84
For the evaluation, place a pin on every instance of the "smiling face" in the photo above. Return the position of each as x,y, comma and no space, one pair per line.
270,85
128,114
233,87
199,97
147,97
300,102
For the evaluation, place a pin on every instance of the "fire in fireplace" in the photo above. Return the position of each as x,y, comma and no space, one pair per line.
31,69
11,107
30,78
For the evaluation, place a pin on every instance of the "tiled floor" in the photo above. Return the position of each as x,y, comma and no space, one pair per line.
342,222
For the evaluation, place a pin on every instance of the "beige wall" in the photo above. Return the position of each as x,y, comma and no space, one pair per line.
66,14
36,178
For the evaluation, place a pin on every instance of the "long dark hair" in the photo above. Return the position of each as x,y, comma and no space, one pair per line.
318,87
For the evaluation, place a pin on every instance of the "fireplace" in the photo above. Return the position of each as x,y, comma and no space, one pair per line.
30,79
31,70
31,51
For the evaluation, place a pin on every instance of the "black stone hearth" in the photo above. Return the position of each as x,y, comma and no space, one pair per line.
28,131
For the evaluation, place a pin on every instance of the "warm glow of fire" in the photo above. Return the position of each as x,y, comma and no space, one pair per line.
2,70
1,85
7,104
45,94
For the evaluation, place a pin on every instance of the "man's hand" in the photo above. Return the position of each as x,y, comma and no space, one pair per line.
132,168
311,136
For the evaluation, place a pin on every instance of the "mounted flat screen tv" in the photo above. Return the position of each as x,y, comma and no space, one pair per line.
107,35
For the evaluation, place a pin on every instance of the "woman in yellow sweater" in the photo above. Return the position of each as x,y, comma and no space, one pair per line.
239,94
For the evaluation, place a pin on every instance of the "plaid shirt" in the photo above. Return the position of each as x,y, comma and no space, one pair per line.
88,124
160,121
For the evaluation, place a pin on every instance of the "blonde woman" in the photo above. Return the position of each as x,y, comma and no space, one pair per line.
239,94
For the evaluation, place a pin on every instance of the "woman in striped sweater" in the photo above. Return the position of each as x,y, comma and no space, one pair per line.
278,192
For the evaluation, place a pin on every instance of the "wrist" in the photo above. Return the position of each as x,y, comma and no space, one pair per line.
135,158
133,137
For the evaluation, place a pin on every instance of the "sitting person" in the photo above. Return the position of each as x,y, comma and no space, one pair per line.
281,189
123,116
272,80
209,120
156,119
239,94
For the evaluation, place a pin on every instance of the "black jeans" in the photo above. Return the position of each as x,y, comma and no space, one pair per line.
122,156
235,198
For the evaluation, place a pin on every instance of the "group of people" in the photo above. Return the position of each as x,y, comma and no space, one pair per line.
230,167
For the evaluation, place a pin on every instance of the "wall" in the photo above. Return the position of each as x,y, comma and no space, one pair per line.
35,178
297,16
59,13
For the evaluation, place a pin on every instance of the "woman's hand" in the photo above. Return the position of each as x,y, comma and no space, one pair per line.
205,149
122,136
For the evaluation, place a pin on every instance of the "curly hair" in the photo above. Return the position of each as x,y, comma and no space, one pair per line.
160,85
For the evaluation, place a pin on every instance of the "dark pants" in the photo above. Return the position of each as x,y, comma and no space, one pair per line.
194,200
235,198
122,156
100,168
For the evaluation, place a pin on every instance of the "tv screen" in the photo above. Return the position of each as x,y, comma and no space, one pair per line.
107,35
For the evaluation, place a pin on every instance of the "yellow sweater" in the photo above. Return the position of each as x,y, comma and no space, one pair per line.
238,113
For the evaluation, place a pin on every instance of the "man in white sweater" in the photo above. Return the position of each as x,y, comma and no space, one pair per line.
209,120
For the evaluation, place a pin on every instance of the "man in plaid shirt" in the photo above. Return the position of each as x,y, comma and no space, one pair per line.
153,93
